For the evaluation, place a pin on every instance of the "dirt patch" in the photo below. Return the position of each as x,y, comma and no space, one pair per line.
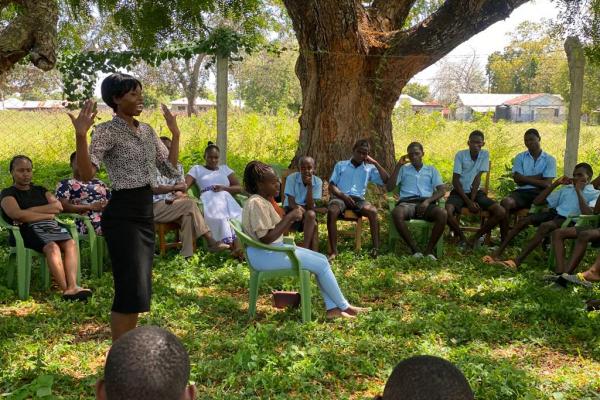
92,331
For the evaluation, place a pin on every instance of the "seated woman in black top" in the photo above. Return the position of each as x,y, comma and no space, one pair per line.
33,209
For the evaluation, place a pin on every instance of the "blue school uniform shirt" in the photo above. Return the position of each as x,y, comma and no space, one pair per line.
420,183
468,169
525,165
565,200
353,180
295,187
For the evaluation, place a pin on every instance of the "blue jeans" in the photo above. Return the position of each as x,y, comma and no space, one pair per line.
317,263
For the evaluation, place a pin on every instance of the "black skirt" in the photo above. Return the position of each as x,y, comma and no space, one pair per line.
128,228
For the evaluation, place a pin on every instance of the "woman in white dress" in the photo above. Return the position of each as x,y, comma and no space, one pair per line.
217,184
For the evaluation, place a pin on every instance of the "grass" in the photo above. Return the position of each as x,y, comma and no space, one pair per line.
513,337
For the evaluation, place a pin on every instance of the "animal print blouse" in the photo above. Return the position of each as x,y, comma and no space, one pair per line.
131,157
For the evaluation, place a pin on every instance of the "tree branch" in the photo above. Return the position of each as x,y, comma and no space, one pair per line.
453,23
391,14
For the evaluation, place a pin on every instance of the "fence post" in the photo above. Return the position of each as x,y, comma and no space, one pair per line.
576,59
222,87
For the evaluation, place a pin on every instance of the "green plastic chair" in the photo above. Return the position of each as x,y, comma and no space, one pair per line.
97,244
418,227
21,259
256,276
583,221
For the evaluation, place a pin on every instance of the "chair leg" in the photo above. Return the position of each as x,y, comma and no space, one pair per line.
23,272
358,235
94,256
100,250
253,295
11,270
305,295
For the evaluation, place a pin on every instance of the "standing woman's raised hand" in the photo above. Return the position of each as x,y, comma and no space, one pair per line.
84,121
170,119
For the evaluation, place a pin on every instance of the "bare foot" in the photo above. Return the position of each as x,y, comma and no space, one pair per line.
332,257
336,313
77,289
354,311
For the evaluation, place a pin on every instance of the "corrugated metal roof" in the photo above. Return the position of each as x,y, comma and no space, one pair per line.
410,99
528,97
199,102
485,99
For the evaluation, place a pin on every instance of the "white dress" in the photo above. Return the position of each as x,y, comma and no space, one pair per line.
219,207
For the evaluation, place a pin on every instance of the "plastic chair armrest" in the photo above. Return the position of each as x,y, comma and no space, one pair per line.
391,200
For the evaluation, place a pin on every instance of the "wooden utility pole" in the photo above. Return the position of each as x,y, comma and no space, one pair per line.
576,60
222,87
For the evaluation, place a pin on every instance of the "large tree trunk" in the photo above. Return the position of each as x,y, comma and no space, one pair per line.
355,60
188,76
32,33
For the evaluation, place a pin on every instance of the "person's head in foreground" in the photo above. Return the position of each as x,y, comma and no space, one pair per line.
426,378
147,363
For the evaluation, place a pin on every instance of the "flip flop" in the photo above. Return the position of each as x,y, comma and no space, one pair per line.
593,304
82,295
488,259
509,264
577,279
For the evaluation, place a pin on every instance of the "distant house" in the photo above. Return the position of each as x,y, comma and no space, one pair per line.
32,105
512,106
180,105
419,106
533,107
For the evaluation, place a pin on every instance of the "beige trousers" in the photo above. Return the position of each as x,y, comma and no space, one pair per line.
185,212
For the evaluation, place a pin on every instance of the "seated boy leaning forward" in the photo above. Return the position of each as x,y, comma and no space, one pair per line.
533,170
348,186
582,236
303,189
469,165
420,187
573,199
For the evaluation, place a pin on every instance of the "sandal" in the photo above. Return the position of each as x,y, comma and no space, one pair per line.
593,304
82,295
577,279
508,264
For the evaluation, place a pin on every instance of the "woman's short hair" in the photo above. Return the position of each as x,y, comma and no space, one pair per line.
16,158
117,85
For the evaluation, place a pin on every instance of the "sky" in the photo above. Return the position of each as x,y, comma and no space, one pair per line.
495,37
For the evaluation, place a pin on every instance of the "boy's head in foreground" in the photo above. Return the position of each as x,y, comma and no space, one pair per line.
146,363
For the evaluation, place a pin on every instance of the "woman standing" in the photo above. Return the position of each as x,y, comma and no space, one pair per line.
131,152
217,184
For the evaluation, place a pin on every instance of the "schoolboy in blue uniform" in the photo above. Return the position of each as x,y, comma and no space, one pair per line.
533,171
421,186
348,186
303,189
469,165
574,199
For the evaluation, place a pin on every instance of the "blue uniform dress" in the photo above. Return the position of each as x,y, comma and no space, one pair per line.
258,218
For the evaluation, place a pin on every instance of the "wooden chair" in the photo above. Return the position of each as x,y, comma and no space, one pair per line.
483,214
348,216
162,229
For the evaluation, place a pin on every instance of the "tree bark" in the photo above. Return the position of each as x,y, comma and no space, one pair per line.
31,33
576,59
355,60
188,76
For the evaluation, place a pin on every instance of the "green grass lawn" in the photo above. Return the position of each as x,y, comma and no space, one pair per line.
513,337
